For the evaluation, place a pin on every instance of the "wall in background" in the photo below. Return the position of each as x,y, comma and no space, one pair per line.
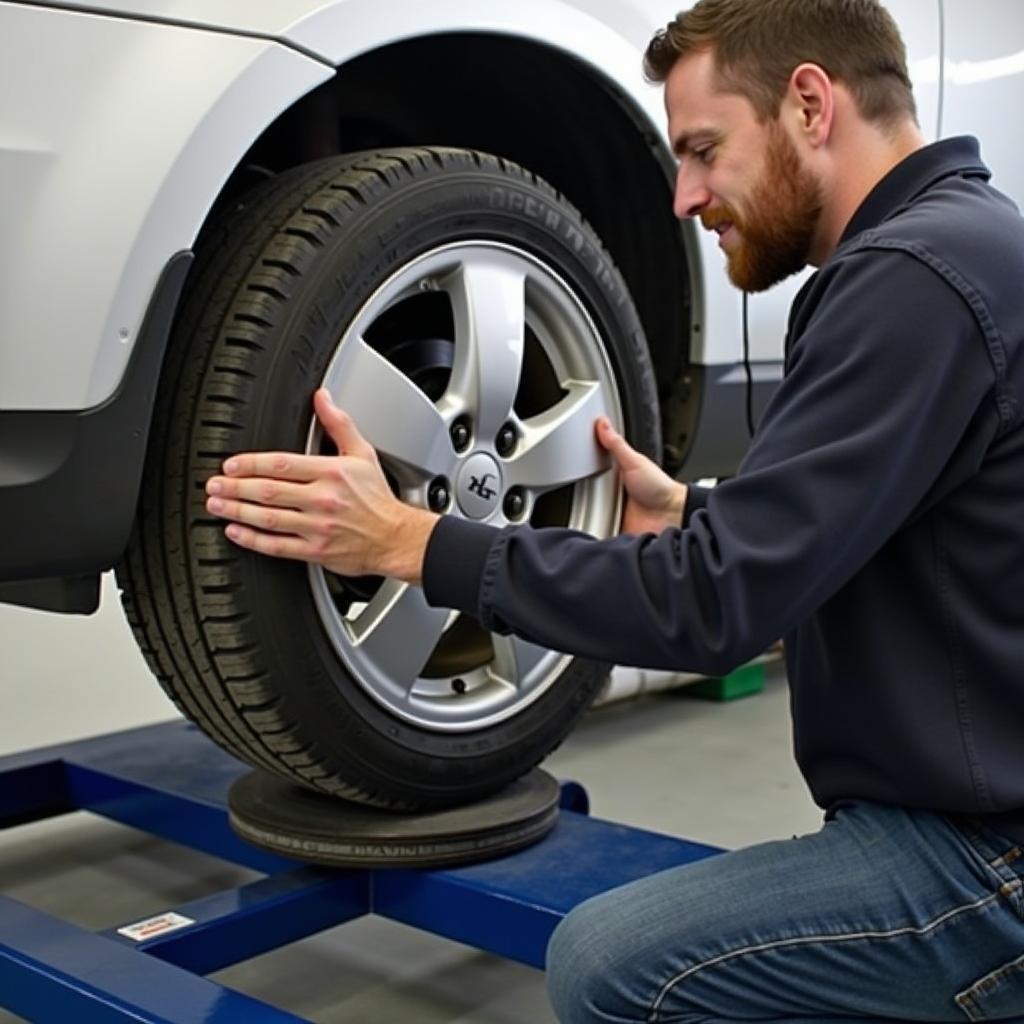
63,677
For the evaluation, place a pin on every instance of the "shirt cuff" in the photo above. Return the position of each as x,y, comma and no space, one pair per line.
453,566
696,499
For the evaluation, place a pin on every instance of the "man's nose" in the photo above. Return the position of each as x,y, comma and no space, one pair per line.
692,195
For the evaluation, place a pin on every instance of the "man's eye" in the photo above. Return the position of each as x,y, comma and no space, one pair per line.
705,155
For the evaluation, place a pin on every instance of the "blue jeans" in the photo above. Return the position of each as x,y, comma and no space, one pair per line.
884,915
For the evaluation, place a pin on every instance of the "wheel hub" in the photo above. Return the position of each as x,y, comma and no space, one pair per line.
479,486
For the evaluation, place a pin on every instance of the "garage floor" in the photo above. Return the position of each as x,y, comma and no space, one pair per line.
718,773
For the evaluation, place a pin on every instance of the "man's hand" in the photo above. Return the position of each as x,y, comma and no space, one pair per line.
654,501
334,510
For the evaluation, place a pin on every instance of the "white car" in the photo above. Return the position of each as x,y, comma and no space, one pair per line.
457,216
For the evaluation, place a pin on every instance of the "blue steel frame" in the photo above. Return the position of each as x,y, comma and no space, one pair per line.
172,782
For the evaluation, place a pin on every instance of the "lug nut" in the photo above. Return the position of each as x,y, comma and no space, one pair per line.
460,434
459,686
515,503
505,442
438,495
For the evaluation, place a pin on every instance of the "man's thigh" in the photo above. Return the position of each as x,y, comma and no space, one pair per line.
883,914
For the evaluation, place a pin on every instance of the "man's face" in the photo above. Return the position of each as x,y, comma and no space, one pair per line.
745,180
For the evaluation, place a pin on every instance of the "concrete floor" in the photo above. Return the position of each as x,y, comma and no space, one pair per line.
718,773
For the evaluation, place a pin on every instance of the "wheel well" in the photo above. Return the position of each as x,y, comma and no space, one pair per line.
531,104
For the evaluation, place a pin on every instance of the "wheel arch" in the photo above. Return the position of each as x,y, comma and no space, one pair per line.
592,142
526,100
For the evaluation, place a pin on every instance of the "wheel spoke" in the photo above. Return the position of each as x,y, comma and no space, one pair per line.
559,446
515,659
398,631
391,412
489,305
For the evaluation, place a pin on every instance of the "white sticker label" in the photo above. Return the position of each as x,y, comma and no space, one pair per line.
154,926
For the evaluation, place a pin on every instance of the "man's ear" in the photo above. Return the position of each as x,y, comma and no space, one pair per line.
811,99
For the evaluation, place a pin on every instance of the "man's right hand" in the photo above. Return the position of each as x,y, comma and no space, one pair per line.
654,501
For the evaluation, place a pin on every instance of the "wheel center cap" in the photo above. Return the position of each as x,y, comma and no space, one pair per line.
478,486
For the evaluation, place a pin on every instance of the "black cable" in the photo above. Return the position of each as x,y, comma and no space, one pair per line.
746,367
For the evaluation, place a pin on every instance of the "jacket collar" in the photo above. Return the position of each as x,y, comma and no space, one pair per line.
912,176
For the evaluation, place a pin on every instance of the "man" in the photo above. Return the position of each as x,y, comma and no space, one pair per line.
877,522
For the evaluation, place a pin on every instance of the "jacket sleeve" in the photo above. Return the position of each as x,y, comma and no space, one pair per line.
696,498
888,378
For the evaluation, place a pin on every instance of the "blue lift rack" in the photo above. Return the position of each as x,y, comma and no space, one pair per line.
172,782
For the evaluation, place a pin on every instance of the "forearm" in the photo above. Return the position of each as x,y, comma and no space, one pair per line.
637,600
404,551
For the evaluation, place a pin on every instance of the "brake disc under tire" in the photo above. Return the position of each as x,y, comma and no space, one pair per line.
297,822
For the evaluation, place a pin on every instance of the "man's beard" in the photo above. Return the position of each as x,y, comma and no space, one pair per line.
775,239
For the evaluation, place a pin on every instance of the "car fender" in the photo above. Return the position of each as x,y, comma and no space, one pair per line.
251,63
149,107
123,134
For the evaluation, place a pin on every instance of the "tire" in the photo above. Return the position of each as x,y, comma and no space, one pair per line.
374,274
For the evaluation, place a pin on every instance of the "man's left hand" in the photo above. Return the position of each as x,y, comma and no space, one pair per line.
333,510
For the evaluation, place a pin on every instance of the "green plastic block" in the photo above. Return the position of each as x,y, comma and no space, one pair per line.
743,682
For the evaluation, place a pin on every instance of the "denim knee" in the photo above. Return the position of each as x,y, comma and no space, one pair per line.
579,974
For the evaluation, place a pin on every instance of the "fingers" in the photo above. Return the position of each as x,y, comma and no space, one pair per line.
280,532
273,544
287,505
612,441
272,520
341,427
261,491
278,466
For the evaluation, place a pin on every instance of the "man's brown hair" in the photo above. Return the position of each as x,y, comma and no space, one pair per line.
757,43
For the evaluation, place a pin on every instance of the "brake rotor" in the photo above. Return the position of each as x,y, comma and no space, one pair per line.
297,822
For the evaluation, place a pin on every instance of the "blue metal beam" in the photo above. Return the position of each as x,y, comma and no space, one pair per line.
237,924
126,747
52,972
33,792
172,782
176,816
511,905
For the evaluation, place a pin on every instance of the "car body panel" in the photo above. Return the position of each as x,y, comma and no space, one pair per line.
717,303
123,134
247,63
984,74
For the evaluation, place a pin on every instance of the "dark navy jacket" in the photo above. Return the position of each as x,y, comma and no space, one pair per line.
877,521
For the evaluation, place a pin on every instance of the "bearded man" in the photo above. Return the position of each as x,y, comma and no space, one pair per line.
877,523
